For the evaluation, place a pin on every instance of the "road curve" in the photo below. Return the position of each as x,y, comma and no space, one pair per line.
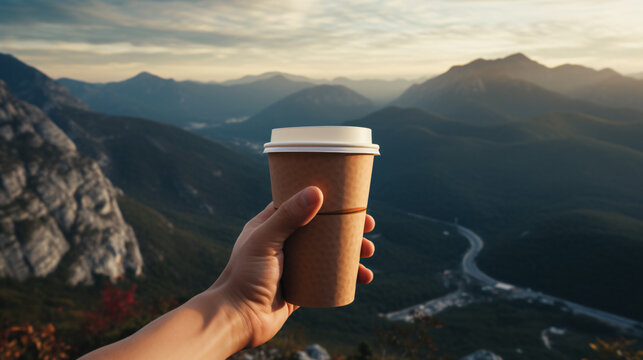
470,268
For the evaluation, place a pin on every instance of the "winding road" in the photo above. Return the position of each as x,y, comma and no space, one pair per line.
470,268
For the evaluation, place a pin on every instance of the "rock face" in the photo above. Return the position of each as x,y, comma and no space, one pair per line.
56,207
317,352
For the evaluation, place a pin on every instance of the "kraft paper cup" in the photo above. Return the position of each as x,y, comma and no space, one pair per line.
321,259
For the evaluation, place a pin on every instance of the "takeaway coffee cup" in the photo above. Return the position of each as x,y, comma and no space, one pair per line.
321,259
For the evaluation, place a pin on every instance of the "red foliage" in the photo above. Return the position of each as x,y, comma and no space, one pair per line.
116,306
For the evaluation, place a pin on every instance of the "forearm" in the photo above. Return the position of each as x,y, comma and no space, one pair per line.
205,327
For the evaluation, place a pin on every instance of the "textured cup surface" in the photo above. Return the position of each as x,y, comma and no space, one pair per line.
343,178
322,258
321,261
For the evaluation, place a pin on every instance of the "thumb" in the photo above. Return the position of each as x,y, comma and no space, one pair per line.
291,215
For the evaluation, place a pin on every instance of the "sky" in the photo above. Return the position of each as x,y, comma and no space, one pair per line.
98,40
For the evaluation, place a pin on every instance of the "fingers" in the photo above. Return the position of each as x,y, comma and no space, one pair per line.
364,275
368,248
369,224
291,215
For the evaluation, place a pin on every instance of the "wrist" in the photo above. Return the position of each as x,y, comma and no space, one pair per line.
222,321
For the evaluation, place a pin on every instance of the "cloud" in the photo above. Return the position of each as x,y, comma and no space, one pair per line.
327,38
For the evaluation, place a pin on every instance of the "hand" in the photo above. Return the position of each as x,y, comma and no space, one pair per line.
244,307
250,280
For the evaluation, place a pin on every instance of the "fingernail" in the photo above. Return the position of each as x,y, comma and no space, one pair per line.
308,197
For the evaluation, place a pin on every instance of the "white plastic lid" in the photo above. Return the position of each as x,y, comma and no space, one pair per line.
333,139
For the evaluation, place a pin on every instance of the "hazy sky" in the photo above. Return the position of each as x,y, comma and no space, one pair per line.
102,40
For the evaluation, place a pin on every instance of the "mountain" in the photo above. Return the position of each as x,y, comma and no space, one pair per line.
169,168
160,165
182,103
605,87
638,75
31,85
58,213
523,180
319,105
270,74
381,92
168,176
539,159
619,91
562,79
480,92
185,197
377,90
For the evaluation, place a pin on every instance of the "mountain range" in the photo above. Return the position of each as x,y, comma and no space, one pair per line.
186,199
379,91
192,104
318,105
166,173
517,88
605,87
550,180
158,164
182,103
523,182
510,156
58,213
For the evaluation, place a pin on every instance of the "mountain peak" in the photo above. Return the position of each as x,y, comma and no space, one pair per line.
7,56
277,76
314,106
517,57
517,62
266,76
145,76
29,84
273,74
331,94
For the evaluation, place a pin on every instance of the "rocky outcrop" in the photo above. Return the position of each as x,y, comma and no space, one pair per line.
312,352
481,354
56,207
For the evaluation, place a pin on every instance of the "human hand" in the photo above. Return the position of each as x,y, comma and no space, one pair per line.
244,307
250,280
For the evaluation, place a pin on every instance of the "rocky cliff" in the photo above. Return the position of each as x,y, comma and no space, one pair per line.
57,210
